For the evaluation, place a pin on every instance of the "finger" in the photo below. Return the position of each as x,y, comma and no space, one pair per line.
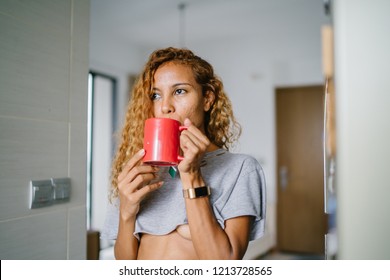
195,131
142,192
138,177
139,170
131,163
193,142
142,180
187,122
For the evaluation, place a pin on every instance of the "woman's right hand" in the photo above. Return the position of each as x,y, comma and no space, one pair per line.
134,185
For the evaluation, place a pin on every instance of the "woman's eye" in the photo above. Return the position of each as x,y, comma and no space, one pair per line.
154,96
180,91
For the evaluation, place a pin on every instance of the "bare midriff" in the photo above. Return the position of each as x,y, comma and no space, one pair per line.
175,245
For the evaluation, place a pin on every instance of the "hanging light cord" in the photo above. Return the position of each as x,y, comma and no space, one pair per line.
182,25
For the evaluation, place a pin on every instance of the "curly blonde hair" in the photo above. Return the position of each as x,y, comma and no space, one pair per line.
221,126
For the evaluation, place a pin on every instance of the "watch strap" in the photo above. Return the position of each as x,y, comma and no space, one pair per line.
196,192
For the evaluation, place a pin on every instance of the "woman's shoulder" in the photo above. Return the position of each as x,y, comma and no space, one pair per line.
232,160
223,154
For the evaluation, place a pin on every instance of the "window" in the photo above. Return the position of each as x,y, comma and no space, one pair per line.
101,126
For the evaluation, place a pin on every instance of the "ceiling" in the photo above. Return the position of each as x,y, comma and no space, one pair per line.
149,23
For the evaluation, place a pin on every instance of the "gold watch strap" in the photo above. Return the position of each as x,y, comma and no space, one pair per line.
197,192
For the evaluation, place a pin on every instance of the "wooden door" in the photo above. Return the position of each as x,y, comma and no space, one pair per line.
301,220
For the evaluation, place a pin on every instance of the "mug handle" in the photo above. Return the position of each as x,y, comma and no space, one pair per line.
181,128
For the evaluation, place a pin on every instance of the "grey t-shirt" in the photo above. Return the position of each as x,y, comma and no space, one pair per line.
237,189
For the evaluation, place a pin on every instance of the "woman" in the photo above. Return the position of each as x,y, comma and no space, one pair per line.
150,218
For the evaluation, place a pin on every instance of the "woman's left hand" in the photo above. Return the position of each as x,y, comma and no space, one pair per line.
194,144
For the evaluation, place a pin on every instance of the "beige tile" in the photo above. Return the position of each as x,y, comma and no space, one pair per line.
79,93
43,115
39,12
34,73
39,237
29,150
78,163
79,63
80,35
77,233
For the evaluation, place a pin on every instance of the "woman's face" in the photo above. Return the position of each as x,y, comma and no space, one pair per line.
178,96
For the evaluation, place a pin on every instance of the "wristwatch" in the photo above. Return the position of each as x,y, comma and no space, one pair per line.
197,192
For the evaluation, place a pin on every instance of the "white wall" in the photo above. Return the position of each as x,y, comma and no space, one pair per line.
362,89
114,58
43,124
251,66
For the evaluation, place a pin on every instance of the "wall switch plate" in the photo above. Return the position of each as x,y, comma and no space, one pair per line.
61,189
41,193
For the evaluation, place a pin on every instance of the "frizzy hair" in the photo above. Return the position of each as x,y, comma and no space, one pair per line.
221,127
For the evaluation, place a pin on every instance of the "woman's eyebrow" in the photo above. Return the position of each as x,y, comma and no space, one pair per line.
176,85
182,84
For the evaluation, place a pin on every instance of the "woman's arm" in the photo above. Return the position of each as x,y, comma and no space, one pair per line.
209,239
126,245
133,186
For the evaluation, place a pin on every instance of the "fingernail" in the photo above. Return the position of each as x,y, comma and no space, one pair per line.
186,121
141,152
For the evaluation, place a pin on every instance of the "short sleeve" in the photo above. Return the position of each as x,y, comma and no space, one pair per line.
111,223
246,198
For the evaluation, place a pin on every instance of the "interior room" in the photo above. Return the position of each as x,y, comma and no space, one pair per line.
67,70
266,44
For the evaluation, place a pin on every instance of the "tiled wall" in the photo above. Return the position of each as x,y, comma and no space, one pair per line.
43,125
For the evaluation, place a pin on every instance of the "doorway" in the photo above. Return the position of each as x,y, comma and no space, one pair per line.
301,221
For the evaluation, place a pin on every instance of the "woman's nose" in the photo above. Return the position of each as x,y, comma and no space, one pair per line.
167,106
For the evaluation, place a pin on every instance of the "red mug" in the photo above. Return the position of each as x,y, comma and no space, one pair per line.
162,141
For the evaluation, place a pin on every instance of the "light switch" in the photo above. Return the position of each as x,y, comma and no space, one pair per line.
61,189
41,193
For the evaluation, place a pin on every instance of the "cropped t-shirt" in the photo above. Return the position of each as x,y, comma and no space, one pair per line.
237,186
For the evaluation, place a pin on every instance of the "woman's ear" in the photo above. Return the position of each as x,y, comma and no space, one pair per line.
209,99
